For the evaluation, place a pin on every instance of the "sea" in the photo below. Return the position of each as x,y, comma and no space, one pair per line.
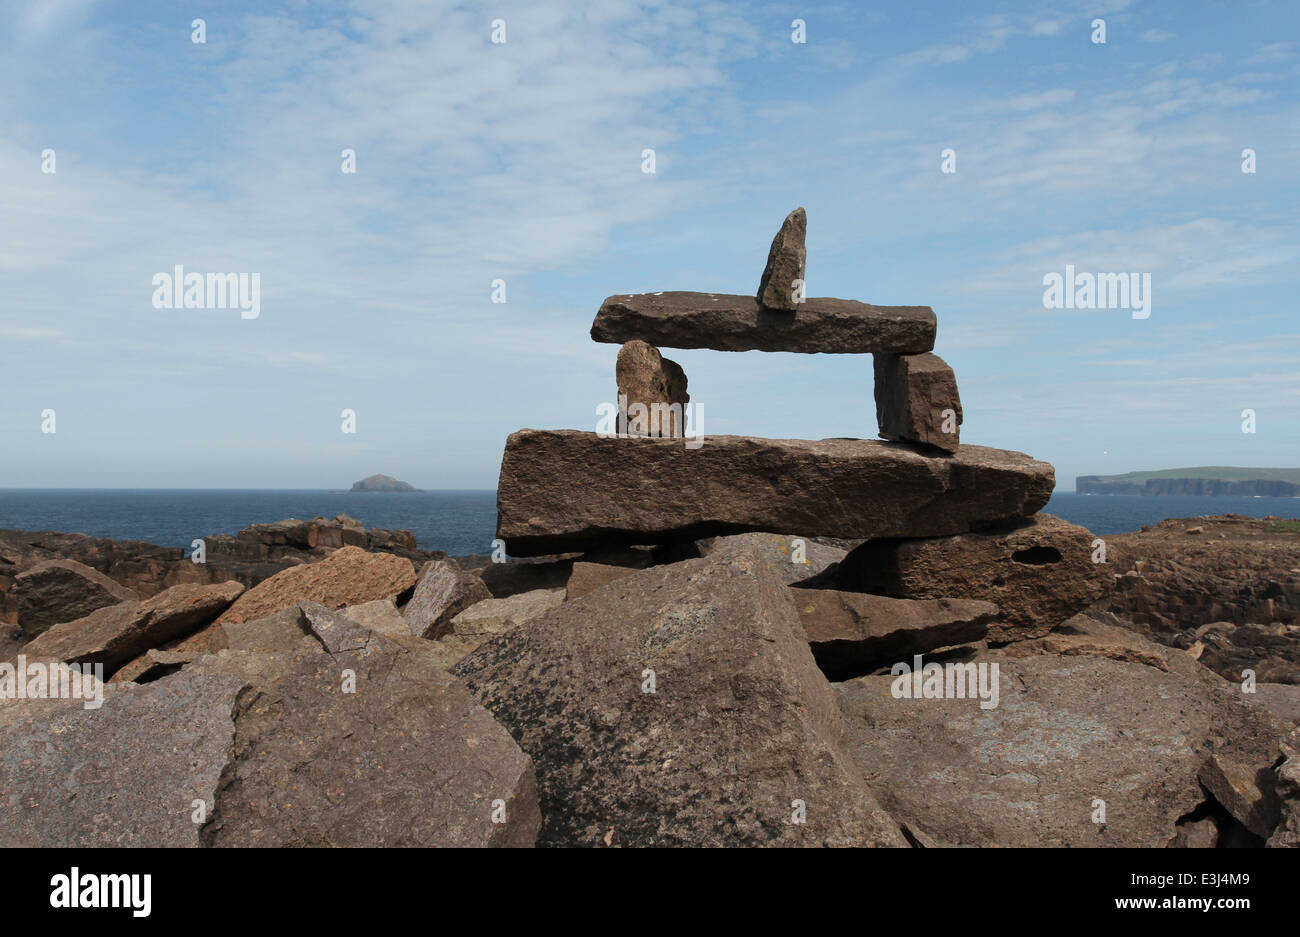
459,522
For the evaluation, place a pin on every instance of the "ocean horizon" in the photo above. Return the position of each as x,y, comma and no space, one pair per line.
458,521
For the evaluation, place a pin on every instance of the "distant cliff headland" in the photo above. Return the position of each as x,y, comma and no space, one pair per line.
1205,480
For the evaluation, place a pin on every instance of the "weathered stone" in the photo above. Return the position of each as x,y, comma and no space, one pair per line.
62,590
1084,635
795,559
726,322
407,759
916,398
348,576
117,633
656,385
740,725
1065,732
497,616
126,774
851,633
588,577
380,615
151,665
444,590
281,632
1245,790
786,262
1281,699
1196,834
639,490
1287,787
1038,570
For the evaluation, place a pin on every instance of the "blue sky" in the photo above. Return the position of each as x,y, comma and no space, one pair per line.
522,161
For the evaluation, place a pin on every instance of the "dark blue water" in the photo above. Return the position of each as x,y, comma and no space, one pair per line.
1116,514
460,522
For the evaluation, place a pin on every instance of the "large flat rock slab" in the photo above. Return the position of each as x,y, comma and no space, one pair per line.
679,706
565,489
727,322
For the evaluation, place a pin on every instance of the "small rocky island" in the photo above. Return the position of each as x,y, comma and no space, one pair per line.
382,483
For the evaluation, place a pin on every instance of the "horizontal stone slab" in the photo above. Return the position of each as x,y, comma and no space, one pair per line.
567,490
726,322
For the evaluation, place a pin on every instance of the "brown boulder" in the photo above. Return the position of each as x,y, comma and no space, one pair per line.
117,633
851,633
348,576
680,707
794,559
1065,733
916,398
368,743
1038,570
126,774
588,577
649,387
786,262
443,591
62,590
733,484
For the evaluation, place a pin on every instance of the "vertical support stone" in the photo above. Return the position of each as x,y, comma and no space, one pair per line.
917,400
652,394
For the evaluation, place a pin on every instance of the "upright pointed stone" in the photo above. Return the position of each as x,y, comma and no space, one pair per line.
917,400
649,386
786,262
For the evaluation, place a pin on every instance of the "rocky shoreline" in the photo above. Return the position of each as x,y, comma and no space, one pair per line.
751,642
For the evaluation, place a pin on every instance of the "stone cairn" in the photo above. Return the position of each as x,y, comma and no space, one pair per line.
919,482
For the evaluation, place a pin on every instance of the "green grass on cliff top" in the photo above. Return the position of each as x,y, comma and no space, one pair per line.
1226,473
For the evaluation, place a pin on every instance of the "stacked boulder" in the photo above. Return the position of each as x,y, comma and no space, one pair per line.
926,506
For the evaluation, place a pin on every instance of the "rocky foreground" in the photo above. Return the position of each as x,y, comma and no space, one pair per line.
728,691
747,642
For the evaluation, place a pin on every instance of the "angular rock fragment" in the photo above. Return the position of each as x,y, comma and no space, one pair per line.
348,576
651,392
379,615
404,758
783,277
443,591
126,774
1287,787
56,591
1065,733
1084,635
588,577
851,633
1038,570
1245,790
497,616
727,322
152,665
917,400
639,490
281,632
117,633
795,559
681,707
